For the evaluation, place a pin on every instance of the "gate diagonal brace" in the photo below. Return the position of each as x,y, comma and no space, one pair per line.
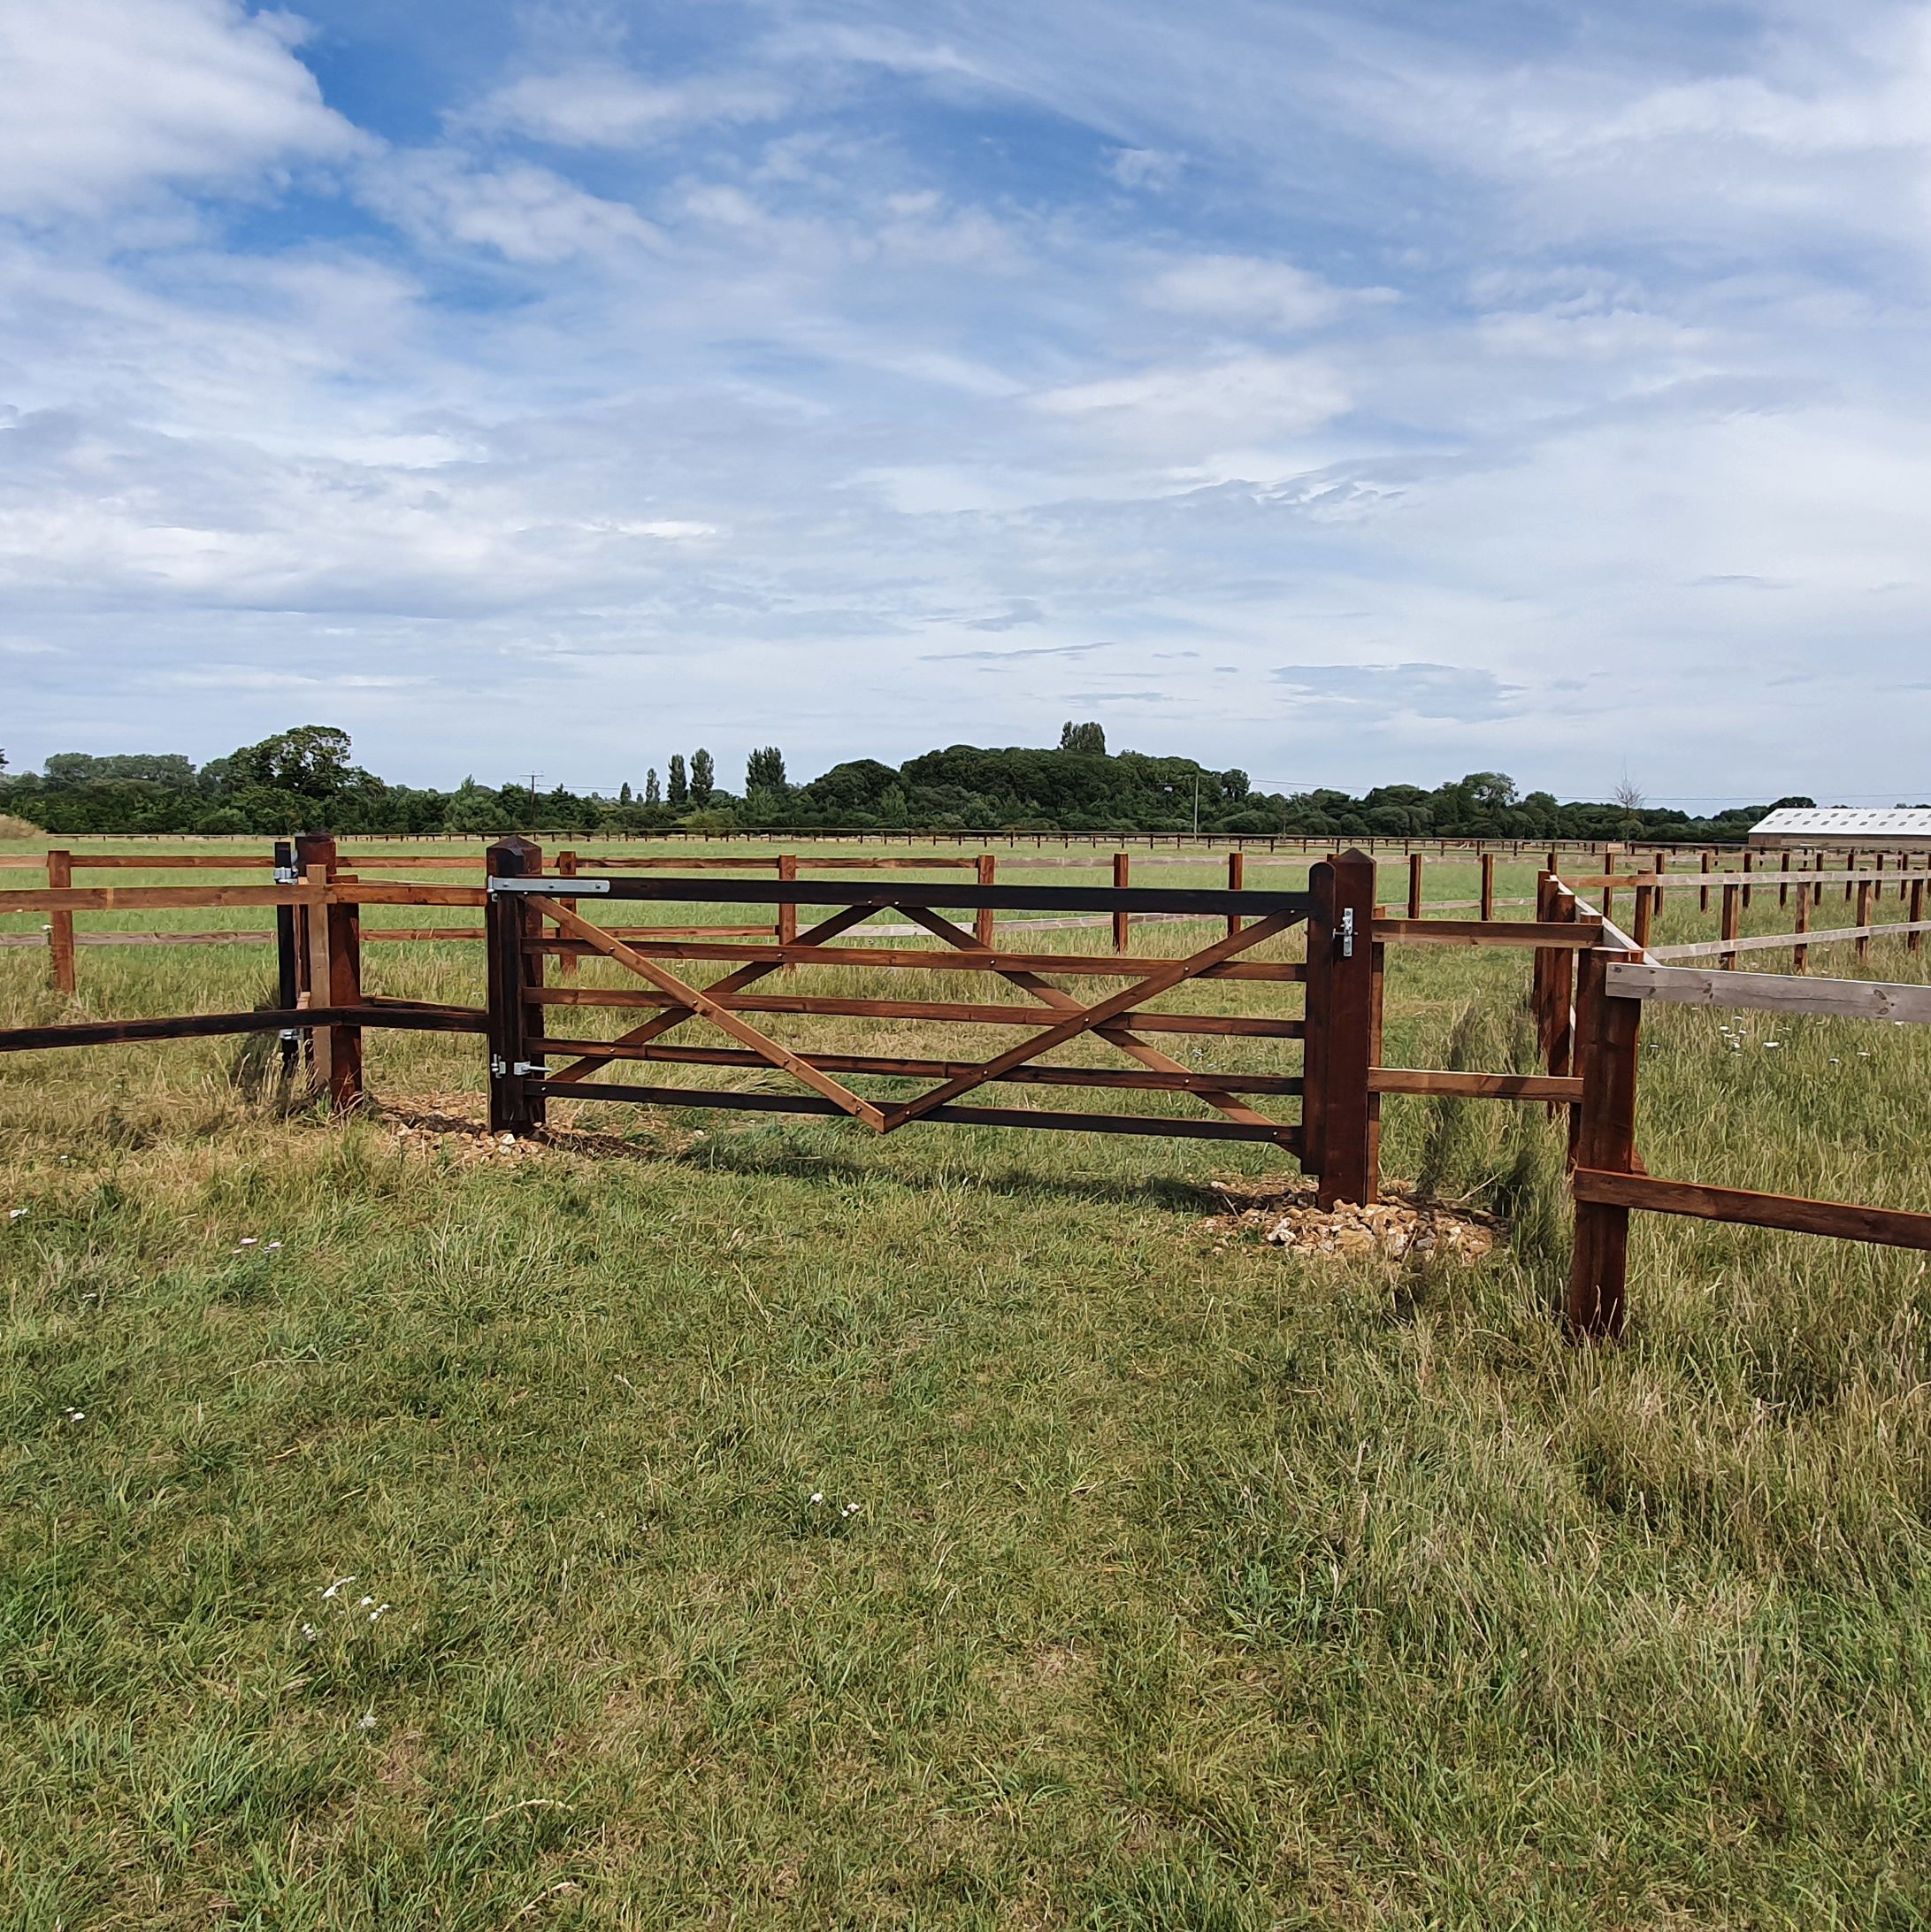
1120,1035
702,1003
660,1023
1090,1019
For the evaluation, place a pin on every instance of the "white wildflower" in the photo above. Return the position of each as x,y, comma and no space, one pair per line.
249,1241
817,1496
77,1416
366,1721
337,1587
365,1602
310,1633
14,1214
379,1609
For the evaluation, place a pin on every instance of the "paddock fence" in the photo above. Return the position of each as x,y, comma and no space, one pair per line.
1320,1103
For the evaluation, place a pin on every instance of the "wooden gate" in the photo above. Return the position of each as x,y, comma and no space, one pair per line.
529,920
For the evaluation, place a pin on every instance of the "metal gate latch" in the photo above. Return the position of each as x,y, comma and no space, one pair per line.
1348,932
555,888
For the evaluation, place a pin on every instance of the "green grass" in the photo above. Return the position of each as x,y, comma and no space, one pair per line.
1191,1586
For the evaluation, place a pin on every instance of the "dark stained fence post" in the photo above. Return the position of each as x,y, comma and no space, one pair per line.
1488,885
333,942
787,910
1336,1109
1415,885
1237,879
288,963
981,920
60,962
516,1103
1604,1139
1123,878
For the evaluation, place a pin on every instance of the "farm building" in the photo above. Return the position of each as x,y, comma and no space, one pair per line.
1902,829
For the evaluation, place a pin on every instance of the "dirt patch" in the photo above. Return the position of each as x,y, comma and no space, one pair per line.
1398,1225
454,1128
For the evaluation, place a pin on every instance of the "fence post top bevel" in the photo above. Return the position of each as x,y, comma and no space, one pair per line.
513,857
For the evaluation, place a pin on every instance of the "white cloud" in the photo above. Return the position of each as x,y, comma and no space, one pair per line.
1193,408
1248,290
1145,167
524,213
602,105
103,100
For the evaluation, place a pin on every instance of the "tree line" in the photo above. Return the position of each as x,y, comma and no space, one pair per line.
305,779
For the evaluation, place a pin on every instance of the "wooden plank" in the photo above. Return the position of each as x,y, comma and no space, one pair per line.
1127,1078
171,862
1206,901
1888,1227
719,1014
1123,879
138,898
1580,935
1226,1025
1481,1086
998,960
1772,993
1774,942
409,892
1177,1129
408,1019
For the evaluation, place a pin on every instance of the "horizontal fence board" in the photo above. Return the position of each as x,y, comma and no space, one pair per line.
1889,1227
1070,965
1214,901
1770,992
1765,875
140,898
1479,1086
1579,934
401,1015
1031,1073
1783,942
1228,1024
967,1116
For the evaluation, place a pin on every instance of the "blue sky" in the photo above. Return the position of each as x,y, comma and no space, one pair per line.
1356,394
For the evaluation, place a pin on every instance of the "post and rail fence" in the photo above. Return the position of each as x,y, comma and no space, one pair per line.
1588,984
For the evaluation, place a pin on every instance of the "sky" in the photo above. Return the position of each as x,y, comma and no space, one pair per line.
1357,394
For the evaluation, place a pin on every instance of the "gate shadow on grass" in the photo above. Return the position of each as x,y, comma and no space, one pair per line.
770,1151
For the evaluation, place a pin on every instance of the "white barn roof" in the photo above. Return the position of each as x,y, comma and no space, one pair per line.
1845,822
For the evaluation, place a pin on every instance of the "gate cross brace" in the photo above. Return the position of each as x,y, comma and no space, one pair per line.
722,1017
1119,1035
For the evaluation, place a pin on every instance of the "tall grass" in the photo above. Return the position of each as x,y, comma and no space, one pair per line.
1189,1584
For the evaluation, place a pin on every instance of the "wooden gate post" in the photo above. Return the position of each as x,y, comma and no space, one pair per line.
1237,879
981,920
1122,877
787,910
1337,1110
516,1103
332,938
60,926
1488,885
1415,885
1604,1139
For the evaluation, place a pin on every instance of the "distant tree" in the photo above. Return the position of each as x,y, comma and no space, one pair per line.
624,792
764,771
653,791
139,767
704,778
680,794
311,761
1628,796
1795,803
1083,738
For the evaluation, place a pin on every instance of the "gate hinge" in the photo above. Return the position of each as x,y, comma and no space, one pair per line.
1348,932
555,888
287,875
502,1069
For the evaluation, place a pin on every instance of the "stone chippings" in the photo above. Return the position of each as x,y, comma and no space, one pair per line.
1398,1225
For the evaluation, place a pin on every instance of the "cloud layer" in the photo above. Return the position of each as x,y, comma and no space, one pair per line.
1373,389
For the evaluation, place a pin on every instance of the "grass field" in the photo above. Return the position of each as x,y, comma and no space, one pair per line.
761,1523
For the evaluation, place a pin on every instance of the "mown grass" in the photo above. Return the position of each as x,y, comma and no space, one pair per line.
1189,1584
